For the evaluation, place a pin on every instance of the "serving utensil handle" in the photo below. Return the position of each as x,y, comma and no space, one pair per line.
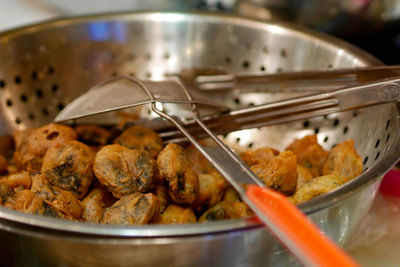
307,242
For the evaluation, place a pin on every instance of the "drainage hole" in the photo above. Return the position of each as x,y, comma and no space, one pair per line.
23,98
39,93
17,79
54,88
387,124
45,111
31,116
336,122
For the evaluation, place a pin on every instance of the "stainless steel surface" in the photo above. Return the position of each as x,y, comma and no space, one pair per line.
44,67
126,92
87,6
299,81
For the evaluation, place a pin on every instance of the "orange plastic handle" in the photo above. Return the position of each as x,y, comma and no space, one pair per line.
318,248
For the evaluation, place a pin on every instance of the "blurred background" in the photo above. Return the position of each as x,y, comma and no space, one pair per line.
373,25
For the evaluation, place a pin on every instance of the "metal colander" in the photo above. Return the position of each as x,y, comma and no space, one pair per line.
44,67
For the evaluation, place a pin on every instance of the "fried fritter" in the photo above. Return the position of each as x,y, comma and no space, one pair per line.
27,202
124,171
5,191
136,208
41,139
252,157
231,195
40,186
309,153
93,135
202,166
67,203
316,187
199,163
226,210
32,145
69,167
176,170
343,161
94,204
303,176
141,138
19,179
209,193
7,146
21,157
161,192
175,214
279,173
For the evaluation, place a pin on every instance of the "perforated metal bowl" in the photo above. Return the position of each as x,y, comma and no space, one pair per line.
45,66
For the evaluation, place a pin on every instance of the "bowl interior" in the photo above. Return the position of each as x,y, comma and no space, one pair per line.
44,67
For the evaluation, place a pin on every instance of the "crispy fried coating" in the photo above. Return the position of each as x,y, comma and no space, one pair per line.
21,178
176,170
124,171
136,208
141,138
94,203
12,168
252,157
21,157
175,214
93,135
303,176
27,202
202,166
279,173
47,172
161,192
69,167
343,161
226,210
41,139
31,145
199,163
67,203
5,191
40,186
231,195
316,187
7,146
209,192
309,153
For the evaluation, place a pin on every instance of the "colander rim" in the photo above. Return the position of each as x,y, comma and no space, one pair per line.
15,221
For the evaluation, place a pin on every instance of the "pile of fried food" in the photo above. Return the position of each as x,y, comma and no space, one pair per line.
92,174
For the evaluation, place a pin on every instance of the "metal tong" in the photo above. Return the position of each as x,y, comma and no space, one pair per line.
281,217
217,78
321,101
